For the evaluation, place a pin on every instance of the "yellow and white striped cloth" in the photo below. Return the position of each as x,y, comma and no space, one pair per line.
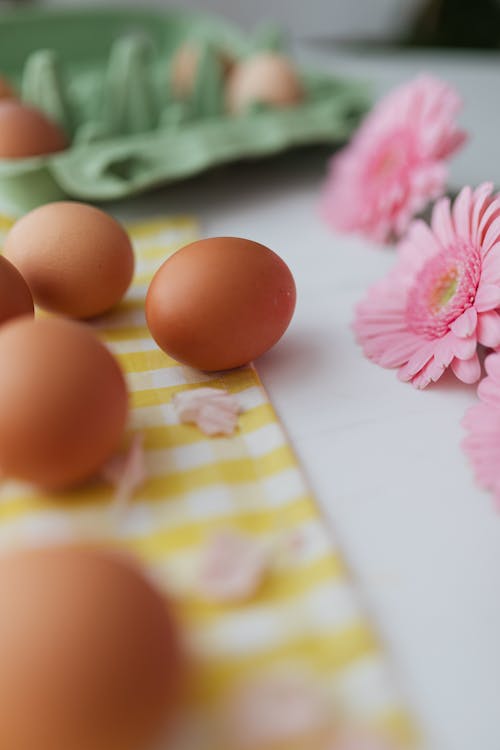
308,613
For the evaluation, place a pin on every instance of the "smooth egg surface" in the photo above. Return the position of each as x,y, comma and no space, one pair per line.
6,90
63,402
89,652
25,131
77,260
15,295
219,303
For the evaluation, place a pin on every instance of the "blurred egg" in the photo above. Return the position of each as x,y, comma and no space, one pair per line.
77,260
63,402
25,131
265,78
90,655
185,68
6,90
220,303
15,296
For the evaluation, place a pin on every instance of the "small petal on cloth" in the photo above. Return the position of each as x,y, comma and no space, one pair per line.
283,709
482,423
127,471
435,305
396,163
213,410
232,567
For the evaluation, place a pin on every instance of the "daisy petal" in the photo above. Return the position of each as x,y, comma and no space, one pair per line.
488,329
492,365
464,348
396,162
487,297
462,209
467,370
465,325
416,362
492,235
488,391
482,422
481,202
442,225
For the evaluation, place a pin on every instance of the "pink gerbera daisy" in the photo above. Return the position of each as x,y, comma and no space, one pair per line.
441,298
396,162
482,422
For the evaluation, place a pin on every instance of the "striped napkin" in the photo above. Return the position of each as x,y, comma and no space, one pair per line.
306,617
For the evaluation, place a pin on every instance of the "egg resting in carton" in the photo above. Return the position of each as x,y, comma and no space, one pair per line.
130,133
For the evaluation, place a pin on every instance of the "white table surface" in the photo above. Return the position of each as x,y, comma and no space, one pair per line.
384,460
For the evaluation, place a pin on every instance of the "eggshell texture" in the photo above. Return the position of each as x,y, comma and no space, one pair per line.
15,296
89,652
77,260
220,303
25,131
266,78
63,402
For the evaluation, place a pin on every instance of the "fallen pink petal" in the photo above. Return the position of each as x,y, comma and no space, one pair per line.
214,410
396,163
232,567
441,298
127,471
482,423
279,709
359,739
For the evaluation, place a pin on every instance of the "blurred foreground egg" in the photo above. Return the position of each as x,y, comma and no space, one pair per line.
220,303
77,260
15,296
25,131
63,402
90,656
265,78
6,90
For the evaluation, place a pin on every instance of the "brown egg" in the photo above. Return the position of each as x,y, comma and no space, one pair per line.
77,260
220,303
15,296
6,90
90,655
63,402
265,78
25,131
185,68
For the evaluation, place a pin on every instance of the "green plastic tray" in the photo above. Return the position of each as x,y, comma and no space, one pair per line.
104,76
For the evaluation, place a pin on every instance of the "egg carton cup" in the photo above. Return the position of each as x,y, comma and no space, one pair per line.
104,77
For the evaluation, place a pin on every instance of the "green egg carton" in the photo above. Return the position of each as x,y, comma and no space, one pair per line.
104,76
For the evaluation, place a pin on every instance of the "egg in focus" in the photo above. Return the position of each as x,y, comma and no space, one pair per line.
77,260
63,402
219,303
91,658
26,131
267,78
15,295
